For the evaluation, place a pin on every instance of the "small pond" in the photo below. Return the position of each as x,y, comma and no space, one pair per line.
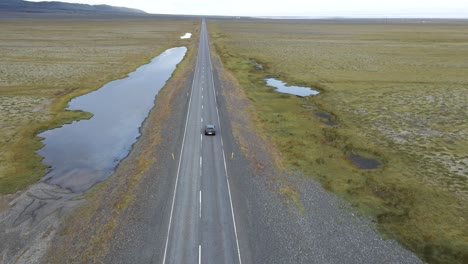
363,162
186,36
328,118
323,115
282,87
331,123
86,152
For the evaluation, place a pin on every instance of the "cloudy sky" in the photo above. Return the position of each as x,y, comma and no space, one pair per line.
313,8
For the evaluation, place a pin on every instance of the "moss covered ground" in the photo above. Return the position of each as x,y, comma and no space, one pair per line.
395,91
47,62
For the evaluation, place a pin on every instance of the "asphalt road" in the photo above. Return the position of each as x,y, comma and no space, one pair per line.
202,225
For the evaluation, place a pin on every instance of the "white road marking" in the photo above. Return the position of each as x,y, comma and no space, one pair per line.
200,203
201,106
216,100
199,254
202,119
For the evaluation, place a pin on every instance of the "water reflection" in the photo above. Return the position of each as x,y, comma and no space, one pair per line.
87,151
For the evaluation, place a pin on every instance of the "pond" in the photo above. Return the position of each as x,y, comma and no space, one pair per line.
282,87
186,36
86,152
363,162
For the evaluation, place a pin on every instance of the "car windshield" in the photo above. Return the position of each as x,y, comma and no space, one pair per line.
210,127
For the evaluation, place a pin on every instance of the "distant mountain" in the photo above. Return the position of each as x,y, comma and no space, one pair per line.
62,7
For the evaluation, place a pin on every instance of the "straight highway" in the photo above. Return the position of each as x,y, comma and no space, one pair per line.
202,225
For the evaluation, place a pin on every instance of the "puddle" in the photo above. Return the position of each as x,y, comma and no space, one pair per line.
294,90
328,118
364,163
86,152
186,36
331,123
323,115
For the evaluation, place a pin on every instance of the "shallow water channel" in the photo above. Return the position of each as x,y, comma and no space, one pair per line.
282,87
86,152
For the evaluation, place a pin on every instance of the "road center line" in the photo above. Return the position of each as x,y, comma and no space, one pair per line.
200,204
199,254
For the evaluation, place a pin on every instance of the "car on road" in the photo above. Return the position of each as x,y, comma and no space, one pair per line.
210,130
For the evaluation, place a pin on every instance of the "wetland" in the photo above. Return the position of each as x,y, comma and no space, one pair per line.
396,90
87,151
47,62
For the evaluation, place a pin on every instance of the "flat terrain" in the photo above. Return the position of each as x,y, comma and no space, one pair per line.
395,92
125,219
278,144
46,62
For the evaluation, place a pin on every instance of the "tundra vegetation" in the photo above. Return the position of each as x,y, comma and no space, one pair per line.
45,63
392,91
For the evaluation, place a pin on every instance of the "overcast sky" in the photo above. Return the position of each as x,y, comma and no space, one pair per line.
313,8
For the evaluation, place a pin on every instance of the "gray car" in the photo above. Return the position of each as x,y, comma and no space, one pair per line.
210,130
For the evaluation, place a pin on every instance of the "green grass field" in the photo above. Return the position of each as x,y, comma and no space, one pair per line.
398,92
45,63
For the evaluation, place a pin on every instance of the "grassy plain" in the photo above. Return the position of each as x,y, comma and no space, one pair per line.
398,92
45,63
